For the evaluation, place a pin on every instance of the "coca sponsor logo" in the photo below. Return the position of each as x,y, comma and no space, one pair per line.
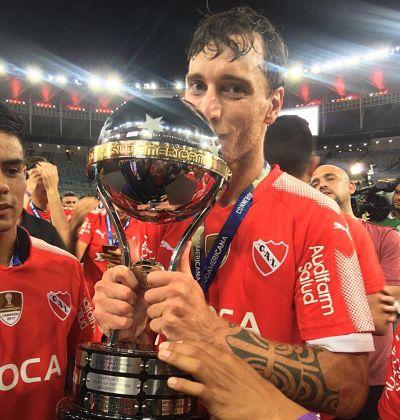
314,281
11,374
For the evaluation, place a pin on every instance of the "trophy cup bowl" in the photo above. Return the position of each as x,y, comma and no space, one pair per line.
157,160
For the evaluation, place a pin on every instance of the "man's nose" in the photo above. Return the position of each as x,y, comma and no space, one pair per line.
210,105
4,187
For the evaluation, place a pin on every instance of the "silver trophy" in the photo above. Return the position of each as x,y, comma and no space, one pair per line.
156,159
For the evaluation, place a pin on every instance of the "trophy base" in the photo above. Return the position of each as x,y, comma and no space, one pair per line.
123,381
67,410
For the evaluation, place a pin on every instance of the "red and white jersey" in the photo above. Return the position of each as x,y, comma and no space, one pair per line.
290,273
94,233
389,404
45,311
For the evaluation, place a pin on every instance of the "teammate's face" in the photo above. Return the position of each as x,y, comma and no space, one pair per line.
69,202
396,198
235,97
12,181
333,182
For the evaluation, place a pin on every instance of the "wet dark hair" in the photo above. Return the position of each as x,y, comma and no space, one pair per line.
70,194
32,161
11,123
288,142
215,31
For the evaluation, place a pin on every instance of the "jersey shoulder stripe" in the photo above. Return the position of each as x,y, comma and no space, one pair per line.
289,184
44,246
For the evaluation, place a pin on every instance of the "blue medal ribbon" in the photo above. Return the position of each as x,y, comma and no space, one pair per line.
110,239
34,210
205,268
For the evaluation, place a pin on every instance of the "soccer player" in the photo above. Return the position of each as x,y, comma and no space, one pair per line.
45,310
42,198
335,183
288,290
69,200
97,244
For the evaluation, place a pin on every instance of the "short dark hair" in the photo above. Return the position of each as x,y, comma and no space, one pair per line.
288,143
11,123
69,194
32,161
396,182
245,22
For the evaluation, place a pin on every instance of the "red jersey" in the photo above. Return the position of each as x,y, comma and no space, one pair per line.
389,404
45,311
36,212
290,274
94,233
373,276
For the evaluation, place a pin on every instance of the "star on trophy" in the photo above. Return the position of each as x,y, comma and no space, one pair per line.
157,160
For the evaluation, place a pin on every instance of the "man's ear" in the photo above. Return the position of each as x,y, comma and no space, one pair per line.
275,106
314,163
352,187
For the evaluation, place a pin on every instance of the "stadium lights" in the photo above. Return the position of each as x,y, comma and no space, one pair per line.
113,83
138,86
179,85
61,79
153,86
34,74
295,72
357,168
3,68
95,83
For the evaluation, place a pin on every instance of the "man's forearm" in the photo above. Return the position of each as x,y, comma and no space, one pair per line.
313,377
58,218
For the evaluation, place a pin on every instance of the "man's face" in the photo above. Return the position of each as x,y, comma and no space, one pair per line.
396,199
12,181
333,182
121,214
69,201
235,97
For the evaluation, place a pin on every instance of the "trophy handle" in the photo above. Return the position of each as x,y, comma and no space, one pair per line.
125,253
178,251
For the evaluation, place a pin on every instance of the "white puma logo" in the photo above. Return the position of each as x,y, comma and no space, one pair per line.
339,226
102,234
166,245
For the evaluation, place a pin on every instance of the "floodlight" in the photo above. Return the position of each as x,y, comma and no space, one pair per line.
3,68
95,83
113,83
295,72
357,169
34,74
153,86
179,85
61,79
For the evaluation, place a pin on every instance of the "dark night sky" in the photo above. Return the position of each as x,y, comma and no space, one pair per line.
144,39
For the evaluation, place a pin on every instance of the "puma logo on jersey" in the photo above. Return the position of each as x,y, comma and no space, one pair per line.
166,245
269,256
339,226
102,234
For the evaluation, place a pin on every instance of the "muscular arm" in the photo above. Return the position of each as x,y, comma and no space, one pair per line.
334,383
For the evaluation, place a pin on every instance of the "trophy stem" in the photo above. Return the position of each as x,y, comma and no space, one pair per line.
119,229
178,251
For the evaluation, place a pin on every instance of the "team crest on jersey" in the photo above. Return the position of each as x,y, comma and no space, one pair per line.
269,256
209,242
60,304
11,304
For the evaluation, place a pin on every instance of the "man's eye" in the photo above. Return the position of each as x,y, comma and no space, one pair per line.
12,171
197,86
234,89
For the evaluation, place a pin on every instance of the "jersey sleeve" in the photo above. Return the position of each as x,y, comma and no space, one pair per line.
389,404
330,298
371,270
390,257
85,232
84,327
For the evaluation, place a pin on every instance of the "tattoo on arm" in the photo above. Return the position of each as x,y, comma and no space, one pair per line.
294,369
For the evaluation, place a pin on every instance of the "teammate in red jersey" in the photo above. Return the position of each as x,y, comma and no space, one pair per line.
389,404
289,274
97,245
45,310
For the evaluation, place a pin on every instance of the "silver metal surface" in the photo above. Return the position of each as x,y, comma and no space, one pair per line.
113,384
